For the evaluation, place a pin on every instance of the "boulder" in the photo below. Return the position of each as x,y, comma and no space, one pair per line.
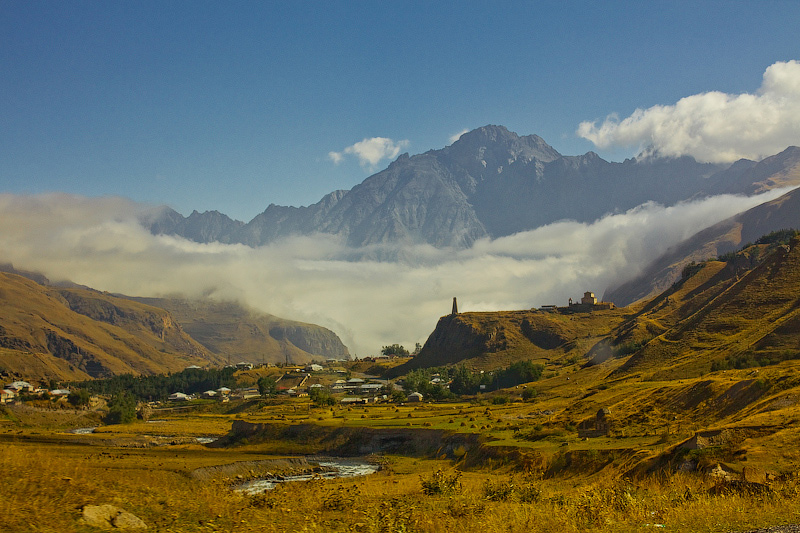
111,517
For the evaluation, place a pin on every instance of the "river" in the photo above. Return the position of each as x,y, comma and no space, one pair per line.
336,468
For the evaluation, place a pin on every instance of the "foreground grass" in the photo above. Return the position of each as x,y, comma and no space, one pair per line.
53,480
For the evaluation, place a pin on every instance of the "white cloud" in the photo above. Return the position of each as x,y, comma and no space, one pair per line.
714,126
457,136
369,304
370,152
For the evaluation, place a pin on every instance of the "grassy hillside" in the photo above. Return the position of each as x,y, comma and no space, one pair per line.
719,239
68,334
230,330
724,315
491,340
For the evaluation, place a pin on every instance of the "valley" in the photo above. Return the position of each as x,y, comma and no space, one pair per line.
637,417
674,403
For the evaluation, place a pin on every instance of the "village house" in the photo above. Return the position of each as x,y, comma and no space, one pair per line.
7,396
246,394
20,386
179,397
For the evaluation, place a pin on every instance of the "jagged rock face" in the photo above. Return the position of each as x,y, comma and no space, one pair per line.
489,183
311,339
228,329
453,341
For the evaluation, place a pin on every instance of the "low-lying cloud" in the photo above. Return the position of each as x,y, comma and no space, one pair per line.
713,127
98,242
370,152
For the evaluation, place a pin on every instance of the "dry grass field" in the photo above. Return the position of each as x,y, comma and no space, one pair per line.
151,470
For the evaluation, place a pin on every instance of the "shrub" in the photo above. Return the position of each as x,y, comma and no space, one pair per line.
529,394
498,491
440,483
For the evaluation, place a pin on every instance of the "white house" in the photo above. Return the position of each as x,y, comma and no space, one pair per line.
7,395
314,368
20,386
179,397
209,394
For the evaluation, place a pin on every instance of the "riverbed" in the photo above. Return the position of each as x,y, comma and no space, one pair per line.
333,468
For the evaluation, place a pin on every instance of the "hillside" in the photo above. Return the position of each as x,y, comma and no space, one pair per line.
741,311
489,183
238,334
721,238
68,334
723,315
75,333
491,340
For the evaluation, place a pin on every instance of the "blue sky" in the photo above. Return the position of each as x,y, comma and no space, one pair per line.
235,105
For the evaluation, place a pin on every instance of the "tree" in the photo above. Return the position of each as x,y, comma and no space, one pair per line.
395,349
79,397
321,397
121,409
267,387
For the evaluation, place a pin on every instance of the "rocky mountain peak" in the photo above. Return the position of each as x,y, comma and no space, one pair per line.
495,146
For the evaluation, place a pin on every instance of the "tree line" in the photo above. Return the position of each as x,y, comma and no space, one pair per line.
159,387
464,381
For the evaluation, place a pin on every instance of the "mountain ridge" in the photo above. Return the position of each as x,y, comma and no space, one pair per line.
68,332
489,183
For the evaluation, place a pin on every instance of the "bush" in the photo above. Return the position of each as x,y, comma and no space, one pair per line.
529,394
440,483
498,491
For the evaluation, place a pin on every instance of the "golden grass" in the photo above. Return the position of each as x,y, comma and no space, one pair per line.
52,483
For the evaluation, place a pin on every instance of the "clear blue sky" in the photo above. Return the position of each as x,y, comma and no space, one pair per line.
235,105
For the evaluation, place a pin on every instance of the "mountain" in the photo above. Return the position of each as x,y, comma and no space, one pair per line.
72,334
491,340
740,312
238,334
489,183
721,238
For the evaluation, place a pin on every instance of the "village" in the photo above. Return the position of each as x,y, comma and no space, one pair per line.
291,381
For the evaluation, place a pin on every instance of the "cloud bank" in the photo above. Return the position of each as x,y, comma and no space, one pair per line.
713,127
370,152
98,242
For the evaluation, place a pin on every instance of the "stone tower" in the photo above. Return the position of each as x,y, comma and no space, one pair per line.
455,306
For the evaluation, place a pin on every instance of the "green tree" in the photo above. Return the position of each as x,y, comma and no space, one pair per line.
121,409
321,397
267,387
79,397
395,349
